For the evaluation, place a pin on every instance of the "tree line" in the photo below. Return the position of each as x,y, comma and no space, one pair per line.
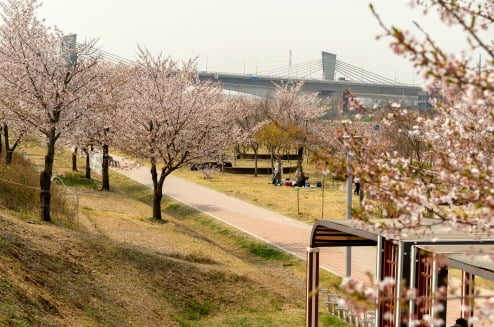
153,109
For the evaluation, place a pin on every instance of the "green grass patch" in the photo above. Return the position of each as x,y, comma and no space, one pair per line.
330,321
263,251
195,310
254,247
20,323
77,180
255,320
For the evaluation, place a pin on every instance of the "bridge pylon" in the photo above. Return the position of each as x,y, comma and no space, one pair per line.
328,65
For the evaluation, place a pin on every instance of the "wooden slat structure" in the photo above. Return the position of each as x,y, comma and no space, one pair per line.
407,259
389,264
432,263
323,236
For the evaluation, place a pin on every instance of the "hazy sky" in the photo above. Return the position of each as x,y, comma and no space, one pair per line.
229,34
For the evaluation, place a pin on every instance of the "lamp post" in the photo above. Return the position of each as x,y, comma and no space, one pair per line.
349,193
349,180
324,173
305,138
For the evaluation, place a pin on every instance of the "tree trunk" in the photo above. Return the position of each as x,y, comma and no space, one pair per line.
255,160
8,157
104,169
88,164
272,162
74,160
9,151
222,162
45,177
300,159
236,150
1,146
361,194
157,191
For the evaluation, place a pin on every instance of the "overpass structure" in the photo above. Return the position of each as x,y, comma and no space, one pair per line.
328,77
337,79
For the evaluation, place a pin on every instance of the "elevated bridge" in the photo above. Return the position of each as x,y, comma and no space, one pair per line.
328,77
264,85
336,79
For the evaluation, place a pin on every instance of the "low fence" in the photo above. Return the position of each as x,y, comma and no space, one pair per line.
352,317
260,170
264,156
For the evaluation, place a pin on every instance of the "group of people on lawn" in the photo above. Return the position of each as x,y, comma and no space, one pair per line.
302,180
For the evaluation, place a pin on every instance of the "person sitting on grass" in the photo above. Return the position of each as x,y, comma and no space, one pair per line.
302,181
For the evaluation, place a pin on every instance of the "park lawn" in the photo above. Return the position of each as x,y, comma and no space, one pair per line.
281,199
119,267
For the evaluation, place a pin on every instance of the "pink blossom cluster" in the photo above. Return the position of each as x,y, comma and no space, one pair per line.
438,164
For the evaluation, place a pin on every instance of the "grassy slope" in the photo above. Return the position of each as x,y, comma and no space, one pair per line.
126,270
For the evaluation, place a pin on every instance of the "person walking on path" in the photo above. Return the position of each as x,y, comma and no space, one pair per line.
357,185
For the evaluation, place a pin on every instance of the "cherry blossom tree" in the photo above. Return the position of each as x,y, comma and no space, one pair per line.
290,106
13,129
172,120
278,140
250,119
455,185
45,77
21,132
96,128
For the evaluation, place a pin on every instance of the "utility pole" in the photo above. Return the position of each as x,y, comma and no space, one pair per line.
349,193
69,43
322,200
480,63
349,182
289,61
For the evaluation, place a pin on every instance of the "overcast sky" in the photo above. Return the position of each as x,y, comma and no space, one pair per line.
231,34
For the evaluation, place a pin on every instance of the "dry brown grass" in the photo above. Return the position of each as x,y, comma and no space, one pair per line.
134,272
123,269
19,191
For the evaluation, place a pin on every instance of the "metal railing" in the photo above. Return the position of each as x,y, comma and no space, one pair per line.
336,308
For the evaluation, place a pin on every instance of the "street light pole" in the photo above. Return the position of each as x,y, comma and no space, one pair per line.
349,180
349,193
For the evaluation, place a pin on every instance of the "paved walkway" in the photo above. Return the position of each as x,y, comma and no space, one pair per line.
283,232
